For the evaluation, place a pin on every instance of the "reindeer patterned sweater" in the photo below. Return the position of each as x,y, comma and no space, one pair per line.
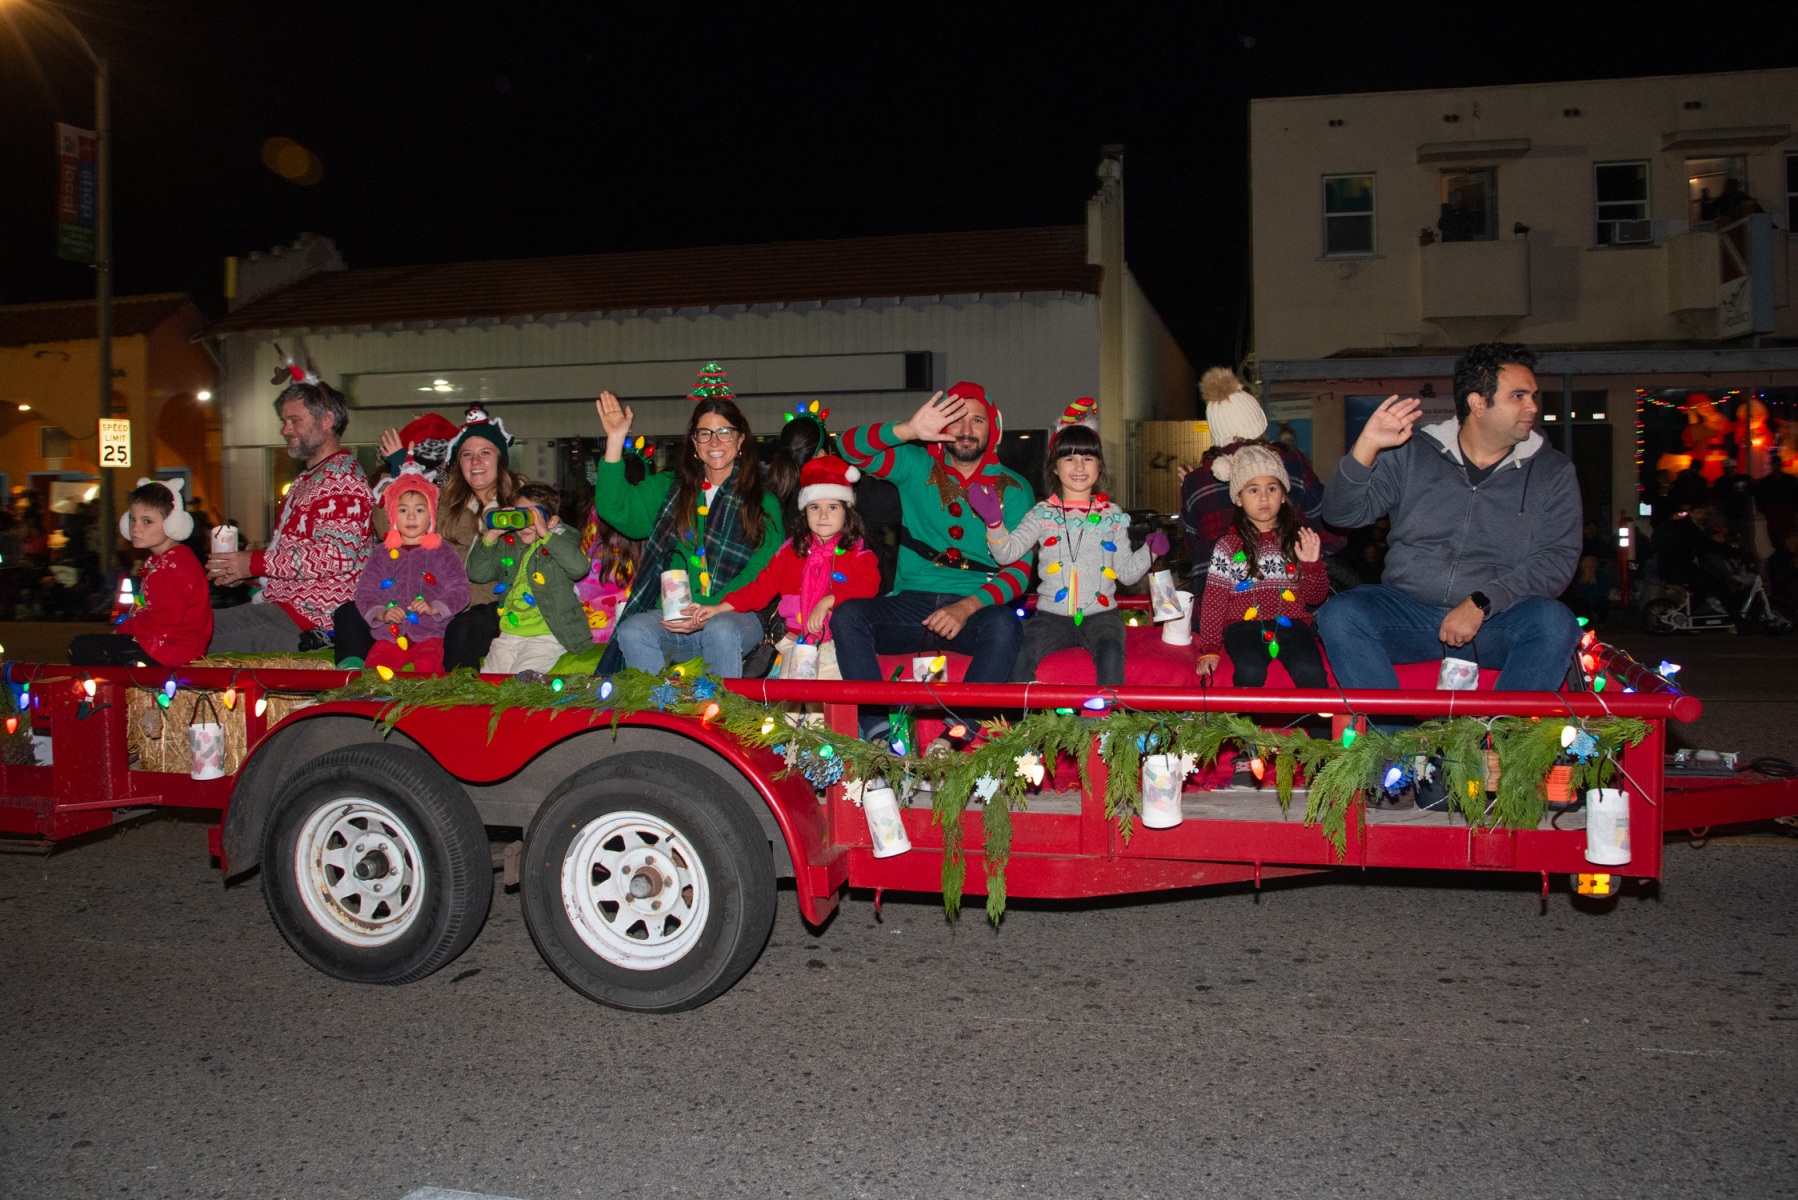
320,544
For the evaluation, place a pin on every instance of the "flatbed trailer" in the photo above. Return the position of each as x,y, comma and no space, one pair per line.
651,842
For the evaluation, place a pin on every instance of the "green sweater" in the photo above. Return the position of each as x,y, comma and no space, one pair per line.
559,560
935,503
632,510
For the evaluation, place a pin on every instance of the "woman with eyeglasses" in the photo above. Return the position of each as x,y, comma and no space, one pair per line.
710,517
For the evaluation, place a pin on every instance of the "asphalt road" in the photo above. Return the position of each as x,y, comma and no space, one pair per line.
1380,1035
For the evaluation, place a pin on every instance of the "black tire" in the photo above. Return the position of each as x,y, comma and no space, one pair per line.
420,825
699,840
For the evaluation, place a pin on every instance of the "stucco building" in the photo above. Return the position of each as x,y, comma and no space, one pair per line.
869,326
1605,223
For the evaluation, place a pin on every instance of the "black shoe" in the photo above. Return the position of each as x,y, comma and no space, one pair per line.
315,639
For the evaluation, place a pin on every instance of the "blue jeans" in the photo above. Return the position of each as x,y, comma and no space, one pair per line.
865,629
1369,628
649,646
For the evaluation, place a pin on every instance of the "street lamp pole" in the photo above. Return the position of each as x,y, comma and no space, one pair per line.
103,279
102,257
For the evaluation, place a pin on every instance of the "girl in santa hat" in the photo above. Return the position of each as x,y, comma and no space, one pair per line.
414,582
824,562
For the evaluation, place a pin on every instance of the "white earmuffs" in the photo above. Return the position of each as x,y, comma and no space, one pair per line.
179,524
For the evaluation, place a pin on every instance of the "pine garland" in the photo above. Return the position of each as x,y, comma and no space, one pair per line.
1012,758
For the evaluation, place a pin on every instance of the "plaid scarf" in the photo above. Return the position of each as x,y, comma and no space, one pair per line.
727,549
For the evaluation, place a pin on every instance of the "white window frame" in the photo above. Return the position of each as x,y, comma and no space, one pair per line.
1597,206
1372,214
1791,191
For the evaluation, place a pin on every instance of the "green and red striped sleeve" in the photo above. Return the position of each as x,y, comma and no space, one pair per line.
1006,586
870,447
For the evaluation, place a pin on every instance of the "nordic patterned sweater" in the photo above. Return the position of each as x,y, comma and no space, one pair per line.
1228,601
934,500
321,542
1075,547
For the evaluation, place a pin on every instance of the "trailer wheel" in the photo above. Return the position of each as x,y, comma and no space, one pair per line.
376,867
648,887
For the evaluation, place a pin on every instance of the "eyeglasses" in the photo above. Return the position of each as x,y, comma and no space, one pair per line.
727,434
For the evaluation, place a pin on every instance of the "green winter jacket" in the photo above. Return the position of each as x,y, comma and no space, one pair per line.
559,560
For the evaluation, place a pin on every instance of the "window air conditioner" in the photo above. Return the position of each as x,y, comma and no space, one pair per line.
1635,233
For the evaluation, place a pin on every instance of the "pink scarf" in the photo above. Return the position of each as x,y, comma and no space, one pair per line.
814,585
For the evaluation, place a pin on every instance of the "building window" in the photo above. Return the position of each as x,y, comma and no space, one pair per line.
1348,214
1714,189
1792,191
1620,192
1469,205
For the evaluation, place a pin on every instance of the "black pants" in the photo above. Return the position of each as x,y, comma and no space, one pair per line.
1100,635
465,639
1247,648
107,650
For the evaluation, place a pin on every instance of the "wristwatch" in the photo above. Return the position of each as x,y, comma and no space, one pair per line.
1482,602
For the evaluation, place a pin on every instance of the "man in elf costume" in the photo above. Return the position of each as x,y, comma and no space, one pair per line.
948,592
321,535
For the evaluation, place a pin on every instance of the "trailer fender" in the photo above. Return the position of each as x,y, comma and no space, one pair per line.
297,741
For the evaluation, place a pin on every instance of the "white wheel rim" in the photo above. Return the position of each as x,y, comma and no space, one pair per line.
635,890
359,872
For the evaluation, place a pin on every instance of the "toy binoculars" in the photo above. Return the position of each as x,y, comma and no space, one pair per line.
510,518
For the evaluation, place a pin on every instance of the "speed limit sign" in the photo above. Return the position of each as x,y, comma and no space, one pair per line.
115,442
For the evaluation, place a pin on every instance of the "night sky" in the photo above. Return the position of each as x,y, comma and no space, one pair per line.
543,127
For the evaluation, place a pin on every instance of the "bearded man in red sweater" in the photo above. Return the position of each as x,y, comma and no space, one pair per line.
321,540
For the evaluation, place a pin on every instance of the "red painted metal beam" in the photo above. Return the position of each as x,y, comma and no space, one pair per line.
976,696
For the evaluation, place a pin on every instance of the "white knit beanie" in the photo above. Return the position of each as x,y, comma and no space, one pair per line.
1232,414
1249,462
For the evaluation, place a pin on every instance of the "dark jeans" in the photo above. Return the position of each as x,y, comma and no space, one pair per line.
1247,647
1367,630
1101,636
865,629
465,638
107,650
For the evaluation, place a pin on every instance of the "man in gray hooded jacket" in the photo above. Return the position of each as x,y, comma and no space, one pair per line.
1486,526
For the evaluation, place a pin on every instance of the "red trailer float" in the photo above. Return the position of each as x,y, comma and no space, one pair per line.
652,841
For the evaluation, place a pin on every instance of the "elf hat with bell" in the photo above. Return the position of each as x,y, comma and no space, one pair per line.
827,477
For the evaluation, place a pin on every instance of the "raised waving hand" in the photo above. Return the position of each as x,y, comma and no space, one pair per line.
929,422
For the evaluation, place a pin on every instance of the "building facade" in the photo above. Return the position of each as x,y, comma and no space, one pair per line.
164,381
870,327
1635,232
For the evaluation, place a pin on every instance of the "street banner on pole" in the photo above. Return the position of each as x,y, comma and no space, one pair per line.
77,193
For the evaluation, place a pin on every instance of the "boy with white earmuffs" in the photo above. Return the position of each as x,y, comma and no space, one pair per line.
170,620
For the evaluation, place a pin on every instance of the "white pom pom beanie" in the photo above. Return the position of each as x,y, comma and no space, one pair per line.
1250,462
1232,414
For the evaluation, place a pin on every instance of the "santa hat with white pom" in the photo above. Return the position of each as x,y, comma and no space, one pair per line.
827,477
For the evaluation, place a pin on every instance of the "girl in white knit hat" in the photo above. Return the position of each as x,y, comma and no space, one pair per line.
1264,571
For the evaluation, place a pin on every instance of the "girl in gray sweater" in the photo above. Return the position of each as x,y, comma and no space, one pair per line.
1083,553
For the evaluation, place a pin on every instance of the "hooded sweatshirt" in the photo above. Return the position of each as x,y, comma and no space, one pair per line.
1515,535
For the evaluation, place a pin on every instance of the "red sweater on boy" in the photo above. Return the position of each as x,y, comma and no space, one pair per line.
1228,601
174,623
784,575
